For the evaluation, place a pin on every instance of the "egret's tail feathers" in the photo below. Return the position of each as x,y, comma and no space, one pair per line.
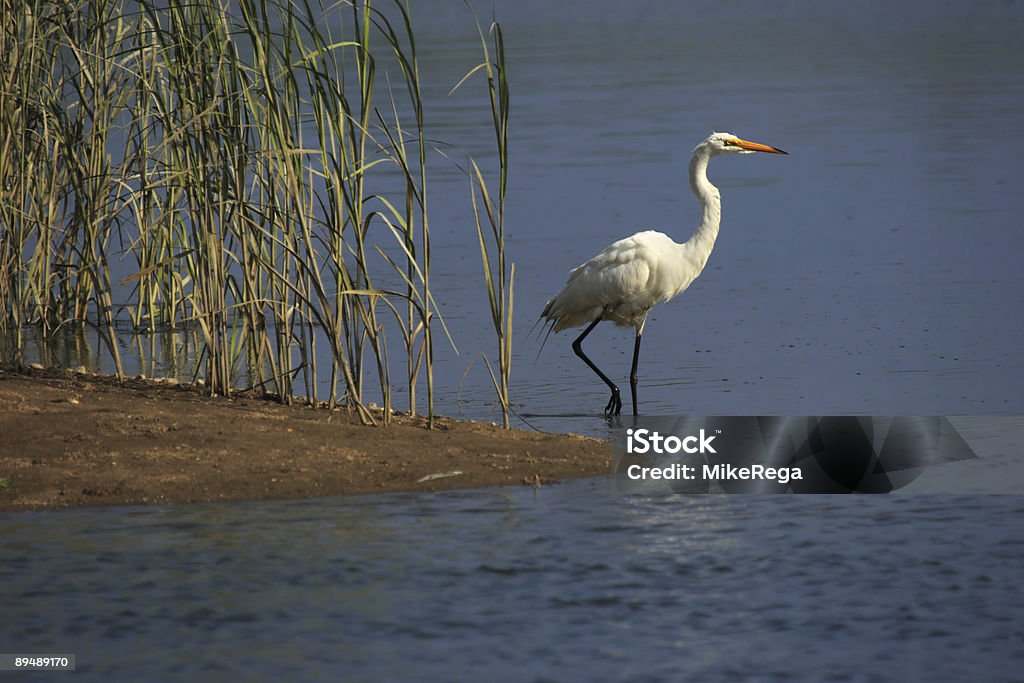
547,327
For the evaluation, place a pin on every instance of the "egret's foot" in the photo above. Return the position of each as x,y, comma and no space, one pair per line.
614,406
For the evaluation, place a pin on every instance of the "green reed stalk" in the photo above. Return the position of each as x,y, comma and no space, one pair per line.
100,68
416,273
498,275
24,152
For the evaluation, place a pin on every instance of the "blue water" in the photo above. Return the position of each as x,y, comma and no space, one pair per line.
570,582
874,270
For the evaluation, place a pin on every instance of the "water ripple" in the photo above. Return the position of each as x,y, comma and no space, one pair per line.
501,582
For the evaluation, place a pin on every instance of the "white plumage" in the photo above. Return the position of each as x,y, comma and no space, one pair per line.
628,277
625,281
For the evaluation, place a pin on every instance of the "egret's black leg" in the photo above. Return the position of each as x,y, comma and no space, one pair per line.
614,406
632,373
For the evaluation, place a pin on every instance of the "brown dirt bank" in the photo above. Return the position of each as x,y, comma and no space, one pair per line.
69,439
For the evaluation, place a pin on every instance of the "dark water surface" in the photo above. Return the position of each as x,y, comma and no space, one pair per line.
573,582
873,271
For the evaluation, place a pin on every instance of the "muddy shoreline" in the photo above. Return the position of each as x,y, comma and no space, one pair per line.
71,439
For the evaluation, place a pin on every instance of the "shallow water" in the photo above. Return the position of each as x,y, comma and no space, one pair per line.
573,582
874,270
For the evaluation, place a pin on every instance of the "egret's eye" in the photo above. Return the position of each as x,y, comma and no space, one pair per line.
729,143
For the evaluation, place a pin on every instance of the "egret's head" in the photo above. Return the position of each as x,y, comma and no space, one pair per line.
721,143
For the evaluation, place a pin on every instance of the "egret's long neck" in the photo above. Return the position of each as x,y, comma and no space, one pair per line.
703,239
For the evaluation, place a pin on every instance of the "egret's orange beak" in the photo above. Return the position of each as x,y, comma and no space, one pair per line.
758,147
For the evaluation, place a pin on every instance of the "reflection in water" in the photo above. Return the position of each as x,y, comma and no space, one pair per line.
165,353
70,348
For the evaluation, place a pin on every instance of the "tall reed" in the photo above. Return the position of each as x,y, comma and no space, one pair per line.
499,276
246,171
60,196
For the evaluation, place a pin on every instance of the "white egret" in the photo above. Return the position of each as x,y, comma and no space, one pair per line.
630,276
